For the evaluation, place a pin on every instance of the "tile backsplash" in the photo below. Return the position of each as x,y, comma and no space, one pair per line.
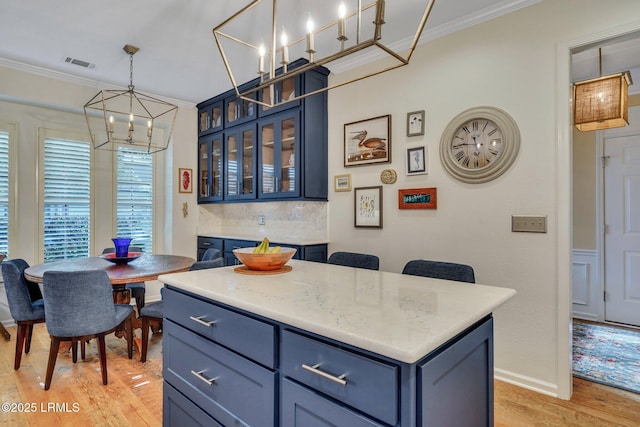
305,221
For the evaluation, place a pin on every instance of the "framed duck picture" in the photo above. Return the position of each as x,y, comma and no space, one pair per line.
367,141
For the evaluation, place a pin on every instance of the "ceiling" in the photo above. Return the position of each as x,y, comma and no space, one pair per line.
178,57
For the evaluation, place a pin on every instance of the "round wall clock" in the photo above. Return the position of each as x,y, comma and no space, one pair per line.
479,144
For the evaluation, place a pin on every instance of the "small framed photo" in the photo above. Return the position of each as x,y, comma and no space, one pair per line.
367,141
416,160
415,123
368,207
185,181
418,198
342,182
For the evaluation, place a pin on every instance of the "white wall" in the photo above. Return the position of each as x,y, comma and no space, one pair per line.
34,99
511,63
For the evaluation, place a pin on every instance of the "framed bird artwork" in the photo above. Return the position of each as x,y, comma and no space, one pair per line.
368,141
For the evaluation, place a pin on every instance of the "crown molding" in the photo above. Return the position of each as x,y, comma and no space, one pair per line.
82,81
434,33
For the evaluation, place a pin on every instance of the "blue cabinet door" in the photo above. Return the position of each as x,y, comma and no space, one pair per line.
302,407
279,168
240,162
177,410
455,387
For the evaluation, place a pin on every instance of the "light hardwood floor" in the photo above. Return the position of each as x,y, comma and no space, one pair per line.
133,396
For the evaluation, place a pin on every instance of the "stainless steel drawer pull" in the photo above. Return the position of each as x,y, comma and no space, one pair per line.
202,322
314,369
203,378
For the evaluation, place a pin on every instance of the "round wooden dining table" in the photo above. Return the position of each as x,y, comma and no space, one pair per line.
146,267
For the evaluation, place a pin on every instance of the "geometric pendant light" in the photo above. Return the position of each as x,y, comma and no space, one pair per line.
130,119
602,103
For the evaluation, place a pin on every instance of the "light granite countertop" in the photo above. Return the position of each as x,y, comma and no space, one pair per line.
286,240
399,316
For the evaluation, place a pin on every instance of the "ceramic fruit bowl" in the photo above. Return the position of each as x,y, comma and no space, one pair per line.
264,261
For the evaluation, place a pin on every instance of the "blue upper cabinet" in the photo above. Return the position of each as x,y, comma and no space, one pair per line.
276,153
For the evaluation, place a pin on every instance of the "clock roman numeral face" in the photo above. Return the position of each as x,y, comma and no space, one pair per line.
476,144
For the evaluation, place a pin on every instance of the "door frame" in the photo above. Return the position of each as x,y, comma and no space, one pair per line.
564,195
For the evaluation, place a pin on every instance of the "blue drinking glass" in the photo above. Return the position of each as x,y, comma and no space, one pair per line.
122,246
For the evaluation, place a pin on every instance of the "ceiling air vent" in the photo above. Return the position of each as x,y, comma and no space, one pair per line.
79,62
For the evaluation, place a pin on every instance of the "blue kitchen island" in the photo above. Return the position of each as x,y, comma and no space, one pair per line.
327,345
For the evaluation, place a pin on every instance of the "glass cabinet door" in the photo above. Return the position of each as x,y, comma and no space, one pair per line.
240,163
239,110
279,92
209,168
210,118
204,184
216,167
279,156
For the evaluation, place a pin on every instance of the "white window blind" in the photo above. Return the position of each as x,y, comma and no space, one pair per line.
4,192
134,216
67,199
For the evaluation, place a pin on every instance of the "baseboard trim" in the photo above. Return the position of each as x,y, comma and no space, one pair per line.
585,316
529,383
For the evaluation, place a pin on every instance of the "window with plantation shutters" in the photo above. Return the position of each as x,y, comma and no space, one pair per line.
134,216
67,199
4,192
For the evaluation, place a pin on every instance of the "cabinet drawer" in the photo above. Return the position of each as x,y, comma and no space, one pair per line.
209,242
231,244
232,389
369,385
250,337
302,407
177,410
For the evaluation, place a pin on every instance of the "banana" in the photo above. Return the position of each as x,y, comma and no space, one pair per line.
275,249
259,249
263,247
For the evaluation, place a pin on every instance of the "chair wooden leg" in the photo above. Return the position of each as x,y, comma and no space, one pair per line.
74,350
145,339
22,330
129,332
83,352
140,302
103,358
4,332
27,344
51,364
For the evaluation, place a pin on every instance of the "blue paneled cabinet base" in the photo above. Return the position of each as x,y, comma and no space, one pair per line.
223,366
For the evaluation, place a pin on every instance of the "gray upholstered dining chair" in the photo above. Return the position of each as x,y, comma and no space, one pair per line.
212,263
25,304
137,289
79,305
211,253
154,311
440,270
352,259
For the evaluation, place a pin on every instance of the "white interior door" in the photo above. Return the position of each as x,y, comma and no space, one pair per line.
622,219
